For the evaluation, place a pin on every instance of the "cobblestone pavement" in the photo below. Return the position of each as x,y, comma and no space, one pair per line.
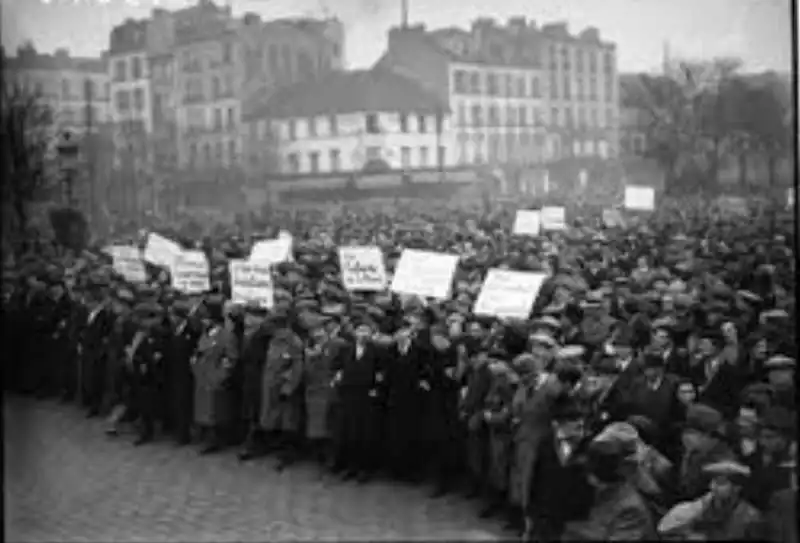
66,481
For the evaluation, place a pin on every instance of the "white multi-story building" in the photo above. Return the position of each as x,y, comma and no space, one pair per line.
75,88
128,72
352,122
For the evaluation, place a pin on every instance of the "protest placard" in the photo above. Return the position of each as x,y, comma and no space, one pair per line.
272,251
509,294
527,223
554,218
161,251
639,198
733,206
424,273
127,261
362,268
191,273
251,283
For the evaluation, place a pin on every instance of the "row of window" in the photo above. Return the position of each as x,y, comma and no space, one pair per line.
495,84
563,57
479,149
197,119
128,69
208,153
293,162
80,115
192,61
493,115
125,100
410,157
70,89
372,125
583,91
218,88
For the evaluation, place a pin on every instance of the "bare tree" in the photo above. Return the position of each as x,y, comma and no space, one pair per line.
28,154
702,113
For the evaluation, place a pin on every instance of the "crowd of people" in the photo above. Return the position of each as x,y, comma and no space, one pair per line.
650,394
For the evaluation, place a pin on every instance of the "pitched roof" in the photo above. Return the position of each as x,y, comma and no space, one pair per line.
350,92
56,63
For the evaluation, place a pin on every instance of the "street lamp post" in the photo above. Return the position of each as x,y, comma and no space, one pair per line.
68,162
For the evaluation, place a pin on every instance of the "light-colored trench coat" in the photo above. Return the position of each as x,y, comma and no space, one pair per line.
281,402
216,355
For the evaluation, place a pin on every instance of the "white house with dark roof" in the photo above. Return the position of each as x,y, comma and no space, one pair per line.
371,120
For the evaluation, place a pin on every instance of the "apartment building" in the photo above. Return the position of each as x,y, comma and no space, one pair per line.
76,88
129,77
583,90
277,54
208,79
372,121
520,93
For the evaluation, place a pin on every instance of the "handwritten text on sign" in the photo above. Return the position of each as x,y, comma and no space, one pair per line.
191,273
362,268
527,222
424,273
509,294
128,263
251,283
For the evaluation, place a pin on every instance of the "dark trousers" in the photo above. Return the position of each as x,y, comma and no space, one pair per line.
355,435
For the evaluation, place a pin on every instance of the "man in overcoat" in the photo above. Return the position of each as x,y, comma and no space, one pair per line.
212,365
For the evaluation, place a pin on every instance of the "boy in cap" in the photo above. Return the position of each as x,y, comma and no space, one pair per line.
777,427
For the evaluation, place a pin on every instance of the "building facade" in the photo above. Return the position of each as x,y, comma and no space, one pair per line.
278,54
363,121
520,94
76,88
129,75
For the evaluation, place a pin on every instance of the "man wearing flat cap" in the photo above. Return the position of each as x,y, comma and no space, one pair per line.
147,357
703,443
720,514
776,432
179,379
281,396
356,382
212,365
94,336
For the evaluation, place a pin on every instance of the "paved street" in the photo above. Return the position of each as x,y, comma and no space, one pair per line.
66,481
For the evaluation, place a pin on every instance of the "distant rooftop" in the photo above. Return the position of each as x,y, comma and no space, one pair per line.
340,93
28,58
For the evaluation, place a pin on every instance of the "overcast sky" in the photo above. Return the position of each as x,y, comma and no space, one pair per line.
758,31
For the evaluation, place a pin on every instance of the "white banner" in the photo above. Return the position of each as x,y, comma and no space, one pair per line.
128,262
272,251
251,283
362,268
527,223
161,251
509,294
424,273
640,198
191,273
554,218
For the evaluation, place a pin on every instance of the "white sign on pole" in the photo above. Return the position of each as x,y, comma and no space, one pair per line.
272,251
191,273
362,268
509,294
790,197
127,261
251,283
527,223
554,218
424,273
161,251
640,198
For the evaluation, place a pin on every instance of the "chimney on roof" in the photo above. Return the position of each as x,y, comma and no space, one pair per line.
516,25
251,19
158,13
590,33
62,53
403,13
